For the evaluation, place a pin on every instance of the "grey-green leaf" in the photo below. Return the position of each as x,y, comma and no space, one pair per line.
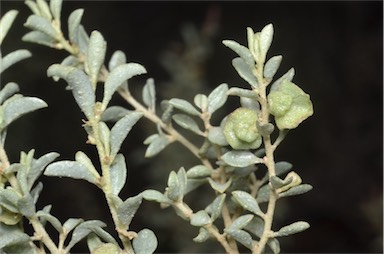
174,191
13,58
6,23
187,122
117,58
20,106
272,66
126,211
149,94
266,36
72,169
118,174
240,158
157,144
44,9
83,229
145,242
288,76
38,166
242,237
202,236
115,113
242,51
51,219
216,206
117,76
200,219
70,224
282,167
199,171
154,195
8,90
82,91
296,190
121,129
41,24
277,182
184,106
74,24
86,161
217,98
39,38
293,228
274,244
26,206
95,56
248,202
216,136
241,222
220,187
11,235
245,71
55,6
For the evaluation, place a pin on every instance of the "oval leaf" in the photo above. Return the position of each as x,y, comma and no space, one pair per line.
145,242
217,98
187,123
41,24
149,94
117,76
248,202
72,169
118,174
272,66
20,106
96,55
242,51
6,23
293,228
240,158
184,106
201,218
8,90
244,71
127,210
121,129
73,24
13,58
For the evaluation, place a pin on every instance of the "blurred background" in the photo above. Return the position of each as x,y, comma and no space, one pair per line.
336,49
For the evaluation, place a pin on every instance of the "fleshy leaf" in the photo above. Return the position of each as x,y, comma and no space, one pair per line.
86,161
216,136
272,66
6,23
245,71
41,24
55,6
39,38
8,90
74,24
72,169
83,229
38,166
11,235
240,158
13,58
242,51
149,94
96,54
70,224
119,75
173,191
242,237
297,190
121,129
184,106
157,144
220,187
187,122
118,174
17,107
199,171
201,101
293,228
202,236
154,195
118,58
241,222
26,206
248,202
217,98
201,218
216,206
126,211
145,242
51,219
266,36
115,113
288,76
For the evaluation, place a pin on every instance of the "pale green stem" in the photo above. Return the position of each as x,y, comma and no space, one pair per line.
44,237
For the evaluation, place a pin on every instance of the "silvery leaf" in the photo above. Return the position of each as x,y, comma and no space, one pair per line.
272,66
149,94
55,6
38,167
145,242
72,169
6,23
217,98
95,56
244,71
288,76
118,58
73,25
41,24
184,106
248,202
51,219
13,57
242,51
8,90
293,228
115,113
118,174
187,123
266,36
39,38
240,158
201,218
126,211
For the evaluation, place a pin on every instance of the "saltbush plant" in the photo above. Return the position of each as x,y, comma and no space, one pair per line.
242,209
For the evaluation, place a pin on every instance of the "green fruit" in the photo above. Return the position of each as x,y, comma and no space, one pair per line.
240,129
290,105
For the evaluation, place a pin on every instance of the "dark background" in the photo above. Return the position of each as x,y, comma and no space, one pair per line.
337,51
